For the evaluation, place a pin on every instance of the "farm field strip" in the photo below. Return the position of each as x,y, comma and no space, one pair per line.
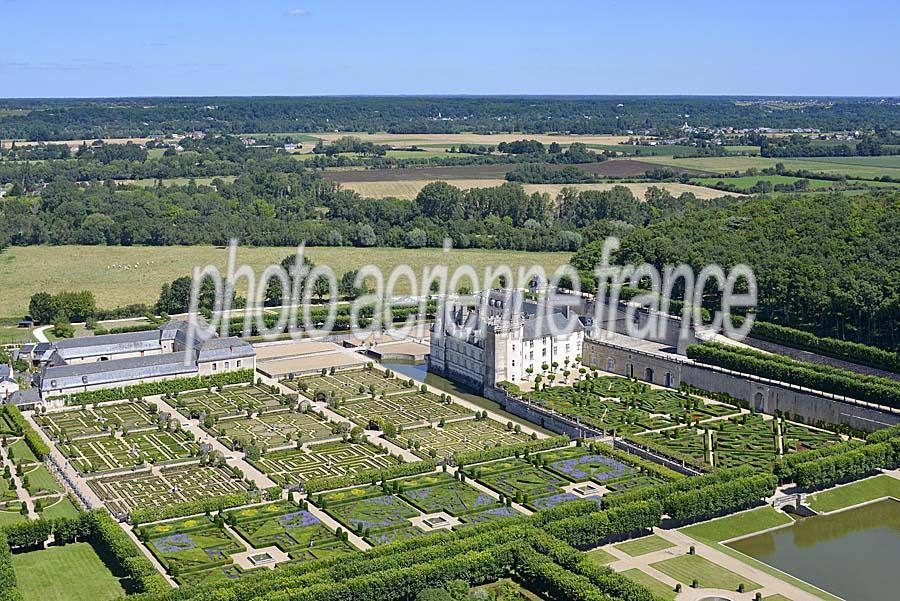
408,189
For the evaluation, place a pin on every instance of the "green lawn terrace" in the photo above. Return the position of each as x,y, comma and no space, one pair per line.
269,431
288,527
118,452
57,507
623,406
72,571
349,385
402,409
543,480
190,546
748,439
38,481
453,438
20,453
230,401
7,427
384,513
98,420
292,467
167,486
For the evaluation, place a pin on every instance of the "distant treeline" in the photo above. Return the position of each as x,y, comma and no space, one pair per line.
63,119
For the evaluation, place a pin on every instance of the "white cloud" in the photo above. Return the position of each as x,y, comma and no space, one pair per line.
298,12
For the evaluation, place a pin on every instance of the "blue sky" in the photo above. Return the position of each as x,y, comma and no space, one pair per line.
302,47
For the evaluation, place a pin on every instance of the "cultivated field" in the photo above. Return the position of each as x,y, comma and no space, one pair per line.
26,270
408,189
612,168
864,167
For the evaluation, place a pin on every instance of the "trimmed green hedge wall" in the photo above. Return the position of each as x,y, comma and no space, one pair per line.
882,391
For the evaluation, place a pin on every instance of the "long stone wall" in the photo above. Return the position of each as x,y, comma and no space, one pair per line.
552,421
764,395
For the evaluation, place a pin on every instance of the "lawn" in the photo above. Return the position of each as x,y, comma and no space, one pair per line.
20,452
644,546
856,493
740,524
656,587
601,557
60,509
687,568
71,573
11,516
27,270
41,481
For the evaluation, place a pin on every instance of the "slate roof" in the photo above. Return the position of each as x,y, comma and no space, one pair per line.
218,349
29,396
6,374
553,325
117,370
108,344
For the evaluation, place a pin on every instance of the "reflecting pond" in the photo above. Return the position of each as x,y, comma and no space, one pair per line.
853,554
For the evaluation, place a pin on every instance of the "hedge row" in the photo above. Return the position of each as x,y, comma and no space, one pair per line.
882,391
661,492
649,467
884,434
8,583
599,527
603,578
368,476
395,556
163,387
516,450
22,427
664,451
341,319
109,536
178,510
854,352
785,466
728,496
852,465
104,534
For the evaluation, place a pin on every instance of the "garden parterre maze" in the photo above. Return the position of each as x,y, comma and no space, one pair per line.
383,513
229,401
115,452
160,488
349,385
404,409
270,430
137,458
290,467
538,482
459,437
619,405
747,439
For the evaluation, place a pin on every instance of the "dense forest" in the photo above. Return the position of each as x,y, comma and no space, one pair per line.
829,263
97,118
282,209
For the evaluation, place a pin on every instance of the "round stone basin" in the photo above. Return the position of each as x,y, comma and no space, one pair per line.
714,599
